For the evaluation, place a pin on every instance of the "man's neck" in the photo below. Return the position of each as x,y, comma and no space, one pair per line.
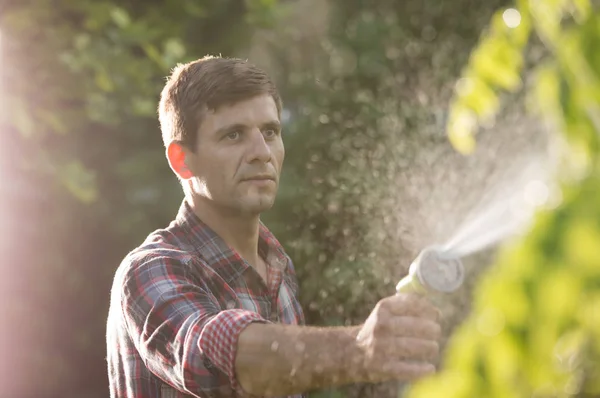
239,232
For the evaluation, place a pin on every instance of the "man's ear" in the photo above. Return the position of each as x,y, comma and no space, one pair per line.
177,155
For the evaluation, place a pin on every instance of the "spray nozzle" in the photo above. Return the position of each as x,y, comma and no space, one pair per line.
433,271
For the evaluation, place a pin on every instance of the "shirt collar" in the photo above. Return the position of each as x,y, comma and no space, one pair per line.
221,257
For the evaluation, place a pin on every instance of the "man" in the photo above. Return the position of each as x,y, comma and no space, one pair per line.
208,306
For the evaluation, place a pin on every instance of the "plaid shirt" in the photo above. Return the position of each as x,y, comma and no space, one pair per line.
178,305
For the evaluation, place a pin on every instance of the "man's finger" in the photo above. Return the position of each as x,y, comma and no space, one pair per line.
410,348
408,326
411,304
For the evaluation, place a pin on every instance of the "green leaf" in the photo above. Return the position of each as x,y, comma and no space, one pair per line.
78,180
144,106
498,63
174,51
154,54
558,294
581,9
476,95
580,246
120,17
104,81
547,16
547,91
461,128
502,358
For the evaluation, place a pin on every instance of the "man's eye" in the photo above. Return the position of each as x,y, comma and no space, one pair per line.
270,133
234,135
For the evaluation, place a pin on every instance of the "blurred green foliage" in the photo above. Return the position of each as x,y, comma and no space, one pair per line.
535,327
83,83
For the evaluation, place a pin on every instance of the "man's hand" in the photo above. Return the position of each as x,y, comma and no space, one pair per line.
397,342
399,339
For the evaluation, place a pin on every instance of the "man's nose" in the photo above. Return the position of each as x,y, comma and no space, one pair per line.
259,149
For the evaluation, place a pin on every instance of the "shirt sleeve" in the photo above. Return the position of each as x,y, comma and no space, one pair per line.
179,329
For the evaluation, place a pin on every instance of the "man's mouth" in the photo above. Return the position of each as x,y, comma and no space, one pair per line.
260,178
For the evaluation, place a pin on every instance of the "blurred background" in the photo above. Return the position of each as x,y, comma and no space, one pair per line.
370,176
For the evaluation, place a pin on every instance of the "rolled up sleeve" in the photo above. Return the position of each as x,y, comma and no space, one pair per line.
218,340
179,329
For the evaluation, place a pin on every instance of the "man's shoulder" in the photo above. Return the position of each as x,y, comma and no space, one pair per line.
162,243
160,249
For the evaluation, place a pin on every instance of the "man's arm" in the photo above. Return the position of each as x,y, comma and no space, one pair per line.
277,360
397,342
177,326
179,330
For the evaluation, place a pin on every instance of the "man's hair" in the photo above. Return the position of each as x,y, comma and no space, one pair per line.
206,84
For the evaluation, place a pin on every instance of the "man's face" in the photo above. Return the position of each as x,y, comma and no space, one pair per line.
239,155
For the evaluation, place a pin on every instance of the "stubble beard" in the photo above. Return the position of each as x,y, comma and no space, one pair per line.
255,206
250,204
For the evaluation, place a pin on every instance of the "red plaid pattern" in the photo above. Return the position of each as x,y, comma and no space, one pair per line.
219,338
178,305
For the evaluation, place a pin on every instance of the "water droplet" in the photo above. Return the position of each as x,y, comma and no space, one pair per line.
511,17
393,53
412,49
286,115
275,346
333,207
324,119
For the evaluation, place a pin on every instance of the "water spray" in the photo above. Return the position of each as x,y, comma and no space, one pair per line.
434,271
507,212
